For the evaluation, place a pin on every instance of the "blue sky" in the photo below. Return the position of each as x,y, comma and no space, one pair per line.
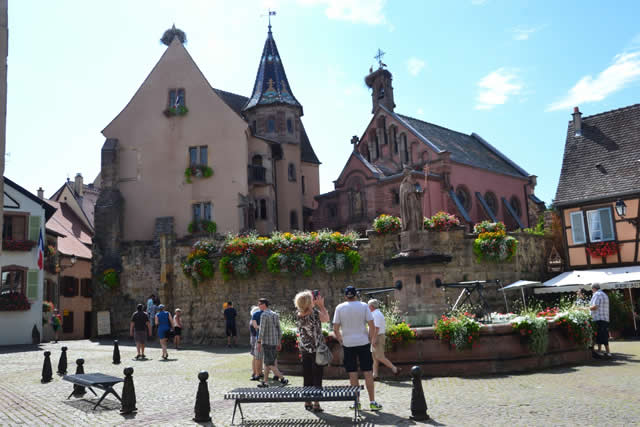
511,71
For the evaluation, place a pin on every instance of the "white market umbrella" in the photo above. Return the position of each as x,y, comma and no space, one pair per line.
522,284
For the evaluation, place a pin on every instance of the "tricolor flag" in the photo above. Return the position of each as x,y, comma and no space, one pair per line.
40,251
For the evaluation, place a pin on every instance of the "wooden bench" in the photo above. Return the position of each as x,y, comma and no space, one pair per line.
294,394
100,381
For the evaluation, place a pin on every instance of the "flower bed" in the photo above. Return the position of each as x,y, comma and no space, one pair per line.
199,171
18,245
14,301
441,221
492,243
460,331
197,265
602,249
386,224
535,329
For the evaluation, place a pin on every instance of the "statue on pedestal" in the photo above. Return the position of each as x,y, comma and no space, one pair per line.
410,203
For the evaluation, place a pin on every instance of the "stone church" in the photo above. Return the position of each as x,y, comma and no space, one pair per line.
458,173
182,153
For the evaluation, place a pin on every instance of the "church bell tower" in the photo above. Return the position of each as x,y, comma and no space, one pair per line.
379,81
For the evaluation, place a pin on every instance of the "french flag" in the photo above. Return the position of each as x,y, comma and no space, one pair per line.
40,251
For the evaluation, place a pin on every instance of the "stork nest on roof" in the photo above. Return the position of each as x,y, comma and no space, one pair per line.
168,36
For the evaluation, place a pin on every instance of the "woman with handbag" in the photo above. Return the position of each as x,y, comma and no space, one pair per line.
311,314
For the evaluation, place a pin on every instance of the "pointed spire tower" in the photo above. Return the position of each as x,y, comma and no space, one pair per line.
272,109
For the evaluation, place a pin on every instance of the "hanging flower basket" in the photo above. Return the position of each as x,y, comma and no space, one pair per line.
198,265
492,243
111,278
603,249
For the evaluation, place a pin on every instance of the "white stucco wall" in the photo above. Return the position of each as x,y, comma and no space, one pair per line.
16,326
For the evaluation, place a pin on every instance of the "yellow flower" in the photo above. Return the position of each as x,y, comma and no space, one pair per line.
287,235
336,234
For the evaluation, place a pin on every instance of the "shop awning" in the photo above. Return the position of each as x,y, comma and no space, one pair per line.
607,278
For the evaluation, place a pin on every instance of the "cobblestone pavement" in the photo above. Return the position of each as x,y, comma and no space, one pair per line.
600,393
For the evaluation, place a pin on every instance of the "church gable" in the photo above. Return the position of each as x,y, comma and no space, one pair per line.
357,164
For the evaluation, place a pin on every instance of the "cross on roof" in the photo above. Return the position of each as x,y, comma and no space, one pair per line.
379,56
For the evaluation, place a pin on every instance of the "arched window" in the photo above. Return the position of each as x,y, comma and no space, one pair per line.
382,125
404,149
271,124
293,220
381,92
256,160
464,196
426,157
515,205
492,201
291,172
394,138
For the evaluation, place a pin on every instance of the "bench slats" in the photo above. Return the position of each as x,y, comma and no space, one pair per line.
294,394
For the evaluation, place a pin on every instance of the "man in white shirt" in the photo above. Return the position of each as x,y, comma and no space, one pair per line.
350,322
381,331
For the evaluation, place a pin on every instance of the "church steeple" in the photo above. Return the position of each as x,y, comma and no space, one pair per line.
271,86
379,82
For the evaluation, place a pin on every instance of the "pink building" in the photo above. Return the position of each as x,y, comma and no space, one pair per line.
461,174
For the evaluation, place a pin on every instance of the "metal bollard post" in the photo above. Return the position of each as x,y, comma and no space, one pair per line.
203,405
418,403
47,372
128,393
62,363
79,390
116,353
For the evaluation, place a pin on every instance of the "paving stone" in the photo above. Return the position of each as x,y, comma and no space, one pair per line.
599,393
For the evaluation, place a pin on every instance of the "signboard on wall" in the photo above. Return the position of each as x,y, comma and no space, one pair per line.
104,323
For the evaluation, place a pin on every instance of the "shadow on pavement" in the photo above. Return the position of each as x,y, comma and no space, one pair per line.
8,349
86,405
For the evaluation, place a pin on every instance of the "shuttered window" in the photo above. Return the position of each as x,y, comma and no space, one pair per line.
600,225
577,228
34,228
33,284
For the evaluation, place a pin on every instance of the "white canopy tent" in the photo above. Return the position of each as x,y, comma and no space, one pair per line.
607,278
522,284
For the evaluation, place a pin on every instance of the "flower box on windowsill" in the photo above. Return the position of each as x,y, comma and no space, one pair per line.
603,249
201,226
199,171
18,245
180,110
14,301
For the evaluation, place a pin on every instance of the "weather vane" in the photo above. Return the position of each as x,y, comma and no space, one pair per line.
270,14
379,56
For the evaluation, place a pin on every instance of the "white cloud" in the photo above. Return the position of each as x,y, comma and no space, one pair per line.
624,70
523,33
496,87
420,112
357,11
415,65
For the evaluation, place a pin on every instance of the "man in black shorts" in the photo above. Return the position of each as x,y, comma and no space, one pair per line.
139,329
350,322
230,314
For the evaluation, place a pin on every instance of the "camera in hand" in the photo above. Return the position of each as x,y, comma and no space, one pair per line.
316,293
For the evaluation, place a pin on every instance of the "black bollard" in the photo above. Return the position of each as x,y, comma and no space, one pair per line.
203,405
128,393
62,363
79,390
47,372
418,404
116,353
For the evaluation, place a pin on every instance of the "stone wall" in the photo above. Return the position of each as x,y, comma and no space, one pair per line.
154,267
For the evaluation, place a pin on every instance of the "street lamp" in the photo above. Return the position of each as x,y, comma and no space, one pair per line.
621,210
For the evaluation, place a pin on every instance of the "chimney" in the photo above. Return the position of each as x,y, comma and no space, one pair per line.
40,193
78,186
577,121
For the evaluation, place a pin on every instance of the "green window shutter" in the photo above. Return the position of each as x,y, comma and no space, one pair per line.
34,228
32,284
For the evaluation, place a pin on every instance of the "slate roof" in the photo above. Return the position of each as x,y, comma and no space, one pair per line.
237,103
471,149
604,161
271,85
